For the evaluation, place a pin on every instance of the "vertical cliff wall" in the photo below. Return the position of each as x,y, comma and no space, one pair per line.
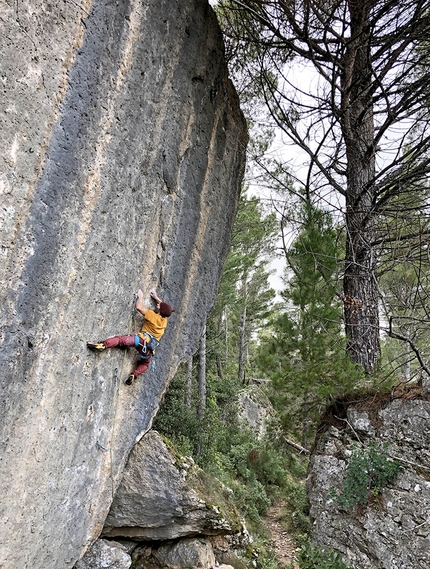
121,161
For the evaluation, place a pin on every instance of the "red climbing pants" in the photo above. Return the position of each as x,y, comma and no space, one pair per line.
128,341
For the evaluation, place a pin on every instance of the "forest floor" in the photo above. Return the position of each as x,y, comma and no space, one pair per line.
280,541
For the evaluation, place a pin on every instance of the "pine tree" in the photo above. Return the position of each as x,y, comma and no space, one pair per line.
371,89
245,297
304,353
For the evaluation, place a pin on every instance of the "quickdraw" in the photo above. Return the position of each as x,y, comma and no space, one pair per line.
133,307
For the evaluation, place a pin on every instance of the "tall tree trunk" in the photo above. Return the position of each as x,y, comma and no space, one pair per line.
226,334
360,286
218,355
201,379
189,382
242,345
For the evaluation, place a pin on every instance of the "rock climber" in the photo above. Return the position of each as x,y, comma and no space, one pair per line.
147,339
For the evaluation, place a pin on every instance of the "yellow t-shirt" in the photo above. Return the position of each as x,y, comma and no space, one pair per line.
154,324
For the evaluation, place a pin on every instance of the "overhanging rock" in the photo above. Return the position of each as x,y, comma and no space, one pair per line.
164,496
122,157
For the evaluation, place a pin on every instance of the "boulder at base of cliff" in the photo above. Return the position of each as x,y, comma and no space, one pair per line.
191,552
166,496
180,554
105,555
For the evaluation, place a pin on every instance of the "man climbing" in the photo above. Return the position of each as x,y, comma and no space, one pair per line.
147,339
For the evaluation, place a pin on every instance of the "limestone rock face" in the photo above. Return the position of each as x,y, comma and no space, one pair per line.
191,552
156,499
121,162
394,532
255,410
105,555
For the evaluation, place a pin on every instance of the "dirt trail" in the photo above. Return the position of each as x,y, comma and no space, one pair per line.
280,541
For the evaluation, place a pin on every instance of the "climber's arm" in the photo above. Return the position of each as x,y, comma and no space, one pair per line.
154,295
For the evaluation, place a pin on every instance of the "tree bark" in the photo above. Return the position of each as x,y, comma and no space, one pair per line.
301,449
242,343
218,355
189,383
201,379
357,121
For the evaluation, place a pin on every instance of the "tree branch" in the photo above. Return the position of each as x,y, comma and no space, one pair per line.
393,334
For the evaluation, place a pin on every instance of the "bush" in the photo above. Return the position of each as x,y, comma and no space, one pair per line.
266,559
313,557
258,471
368,472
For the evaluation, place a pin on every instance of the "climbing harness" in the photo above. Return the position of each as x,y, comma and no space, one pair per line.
145,349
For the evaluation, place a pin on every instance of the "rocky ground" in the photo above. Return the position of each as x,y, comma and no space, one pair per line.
280,540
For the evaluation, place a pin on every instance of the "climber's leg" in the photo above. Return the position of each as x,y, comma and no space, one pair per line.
142,367
139,370
121,341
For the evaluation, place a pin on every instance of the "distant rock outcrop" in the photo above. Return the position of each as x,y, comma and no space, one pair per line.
121,164
393,531
255,410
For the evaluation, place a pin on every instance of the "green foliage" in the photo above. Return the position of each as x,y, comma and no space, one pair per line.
266,559
368,472
250,497
258,472
303,350
299,522
245,298
313,557
219,427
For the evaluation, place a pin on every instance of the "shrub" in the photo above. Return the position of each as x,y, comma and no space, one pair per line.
313,557
258,471
368,472
266,559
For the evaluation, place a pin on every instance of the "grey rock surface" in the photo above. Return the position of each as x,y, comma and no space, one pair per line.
185,553
255,410
360,421
105,555
394,532
156,499
121,163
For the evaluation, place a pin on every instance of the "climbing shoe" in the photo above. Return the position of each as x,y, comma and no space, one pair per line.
94,346
130,379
